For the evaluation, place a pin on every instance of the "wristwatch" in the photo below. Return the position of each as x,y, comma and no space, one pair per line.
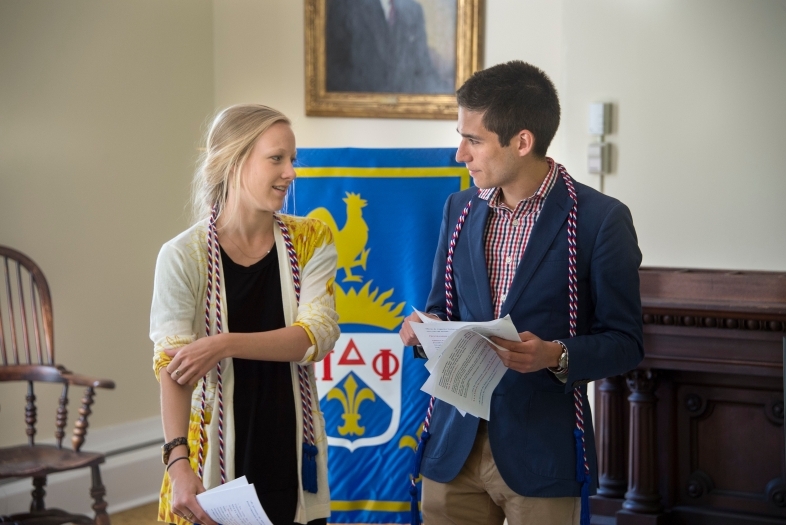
562,365
167,448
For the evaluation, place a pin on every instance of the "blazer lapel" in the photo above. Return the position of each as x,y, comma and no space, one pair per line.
475,231
553,215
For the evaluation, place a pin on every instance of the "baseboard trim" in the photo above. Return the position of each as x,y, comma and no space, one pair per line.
132,472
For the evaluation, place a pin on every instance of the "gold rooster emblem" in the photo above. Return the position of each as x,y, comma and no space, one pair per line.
351,239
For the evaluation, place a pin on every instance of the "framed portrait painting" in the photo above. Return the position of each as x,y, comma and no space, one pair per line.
390,58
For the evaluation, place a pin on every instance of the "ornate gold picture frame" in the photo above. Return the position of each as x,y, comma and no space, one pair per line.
363,62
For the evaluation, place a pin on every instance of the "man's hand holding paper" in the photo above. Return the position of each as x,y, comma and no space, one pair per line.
463,362
528,355
407,333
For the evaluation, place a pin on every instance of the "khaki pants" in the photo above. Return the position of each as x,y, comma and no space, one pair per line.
479,496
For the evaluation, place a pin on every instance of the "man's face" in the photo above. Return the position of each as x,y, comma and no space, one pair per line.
489,164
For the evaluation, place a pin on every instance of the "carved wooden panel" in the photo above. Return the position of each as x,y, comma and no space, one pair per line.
714,340
730,449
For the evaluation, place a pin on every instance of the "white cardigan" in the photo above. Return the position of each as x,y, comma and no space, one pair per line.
177,317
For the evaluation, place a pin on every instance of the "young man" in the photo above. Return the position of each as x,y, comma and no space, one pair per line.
562,260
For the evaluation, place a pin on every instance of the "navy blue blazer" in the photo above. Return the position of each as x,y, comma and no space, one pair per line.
532,415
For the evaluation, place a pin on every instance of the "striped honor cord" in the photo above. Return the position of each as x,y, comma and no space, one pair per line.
582,465
425,435
309,461
213,276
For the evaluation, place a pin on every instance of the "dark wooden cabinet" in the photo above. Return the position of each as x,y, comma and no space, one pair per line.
696,433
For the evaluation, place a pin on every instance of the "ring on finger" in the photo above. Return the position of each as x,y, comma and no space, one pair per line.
178,373
190,516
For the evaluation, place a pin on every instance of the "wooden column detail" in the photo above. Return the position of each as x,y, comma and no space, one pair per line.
37,502
612,481
642,495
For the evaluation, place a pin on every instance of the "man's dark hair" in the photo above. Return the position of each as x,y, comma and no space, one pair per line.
514,96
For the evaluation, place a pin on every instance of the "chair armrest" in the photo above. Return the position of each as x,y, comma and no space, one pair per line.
59,374
83,380
47,374
81,424
51,374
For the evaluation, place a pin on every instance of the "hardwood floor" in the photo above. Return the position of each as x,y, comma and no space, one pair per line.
144,515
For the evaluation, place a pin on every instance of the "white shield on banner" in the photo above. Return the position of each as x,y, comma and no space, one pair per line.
362,370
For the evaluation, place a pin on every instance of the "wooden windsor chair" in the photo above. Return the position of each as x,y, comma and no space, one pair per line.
27,353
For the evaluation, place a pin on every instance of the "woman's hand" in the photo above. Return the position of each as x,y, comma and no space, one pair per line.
193,361
185,486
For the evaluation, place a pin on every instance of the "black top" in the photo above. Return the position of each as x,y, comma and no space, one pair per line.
265,425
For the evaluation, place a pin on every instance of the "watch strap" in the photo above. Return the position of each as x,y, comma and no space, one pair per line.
562,367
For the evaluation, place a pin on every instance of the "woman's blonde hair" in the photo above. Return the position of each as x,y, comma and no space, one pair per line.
227,146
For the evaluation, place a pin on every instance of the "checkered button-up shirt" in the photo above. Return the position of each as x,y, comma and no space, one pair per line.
507,235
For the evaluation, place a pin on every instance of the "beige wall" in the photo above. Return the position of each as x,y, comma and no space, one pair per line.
699,122
267,65
101,105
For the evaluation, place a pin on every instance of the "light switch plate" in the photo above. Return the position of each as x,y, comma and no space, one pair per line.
599,158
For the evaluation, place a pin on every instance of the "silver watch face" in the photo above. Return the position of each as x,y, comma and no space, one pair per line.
563,360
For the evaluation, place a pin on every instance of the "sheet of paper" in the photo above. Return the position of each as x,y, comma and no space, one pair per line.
502,328
426,319
237,482
432,334
466,372
234,503
431,337
428,387
463,366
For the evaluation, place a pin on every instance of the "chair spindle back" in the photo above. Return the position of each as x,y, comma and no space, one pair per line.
26,328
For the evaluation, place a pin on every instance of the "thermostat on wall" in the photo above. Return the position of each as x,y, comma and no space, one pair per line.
600,119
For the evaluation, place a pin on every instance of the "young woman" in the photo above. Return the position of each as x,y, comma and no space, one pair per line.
242,304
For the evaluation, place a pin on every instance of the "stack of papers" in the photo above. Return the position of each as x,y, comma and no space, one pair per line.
464,368
234,503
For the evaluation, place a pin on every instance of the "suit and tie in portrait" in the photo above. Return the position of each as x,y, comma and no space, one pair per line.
379,46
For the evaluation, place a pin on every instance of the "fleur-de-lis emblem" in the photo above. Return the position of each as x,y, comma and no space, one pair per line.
351,399
410,441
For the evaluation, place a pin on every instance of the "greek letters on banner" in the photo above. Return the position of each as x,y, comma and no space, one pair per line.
384,207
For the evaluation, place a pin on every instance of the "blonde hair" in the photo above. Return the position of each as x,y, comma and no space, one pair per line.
227,146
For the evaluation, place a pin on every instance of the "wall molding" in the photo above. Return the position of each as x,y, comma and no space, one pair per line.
710,320
132,472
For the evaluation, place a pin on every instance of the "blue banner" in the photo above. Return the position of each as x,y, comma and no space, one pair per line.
385,208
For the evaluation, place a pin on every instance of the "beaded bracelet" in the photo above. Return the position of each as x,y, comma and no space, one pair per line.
168,447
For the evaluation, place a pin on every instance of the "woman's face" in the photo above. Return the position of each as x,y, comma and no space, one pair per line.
268,170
